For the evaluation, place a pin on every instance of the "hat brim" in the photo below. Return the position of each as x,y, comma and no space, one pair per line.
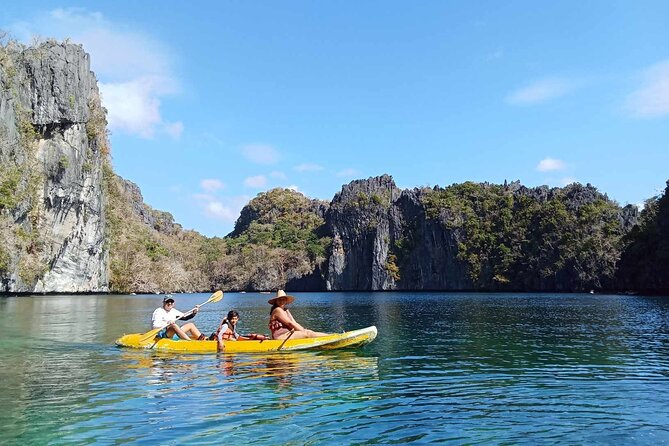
277,300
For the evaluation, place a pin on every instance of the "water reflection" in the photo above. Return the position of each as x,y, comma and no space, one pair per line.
470,368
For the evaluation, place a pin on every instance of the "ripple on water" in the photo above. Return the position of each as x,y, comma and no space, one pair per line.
472,369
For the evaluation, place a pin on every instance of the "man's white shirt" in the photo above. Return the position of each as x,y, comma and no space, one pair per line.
161,317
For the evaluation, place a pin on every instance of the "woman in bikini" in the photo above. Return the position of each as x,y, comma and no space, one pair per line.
282,324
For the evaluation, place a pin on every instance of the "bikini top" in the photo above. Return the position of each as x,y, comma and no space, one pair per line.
275,324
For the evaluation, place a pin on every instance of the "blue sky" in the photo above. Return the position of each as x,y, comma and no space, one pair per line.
211,103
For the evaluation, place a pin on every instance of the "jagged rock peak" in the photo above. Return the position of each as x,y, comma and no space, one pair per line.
58,73
373,185
159,220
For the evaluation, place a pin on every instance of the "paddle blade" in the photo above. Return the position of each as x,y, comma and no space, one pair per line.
150,334
218,295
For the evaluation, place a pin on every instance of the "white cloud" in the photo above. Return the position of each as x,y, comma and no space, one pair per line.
211,185
541,91
293,187
567,180
258,181
217,210
134,106
226,210
549,164
652,98
134,70
260,153
348,173
308,167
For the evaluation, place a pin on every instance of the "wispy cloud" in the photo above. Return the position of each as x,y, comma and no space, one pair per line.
134,69
219,211
651,100
541,91
550,164
134,106
209,139
211,185
260,153
258,181
348,173
278,175
308,167
222,209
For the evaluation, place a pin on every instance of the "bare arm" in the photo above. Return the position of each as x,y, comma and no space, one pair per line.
288,320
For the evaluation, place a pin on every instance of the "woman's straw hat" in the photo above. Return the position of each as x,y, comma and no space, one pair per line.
281,298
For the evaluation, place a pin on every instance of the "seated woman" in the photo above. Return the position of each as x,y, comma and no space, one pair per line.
227,331
282,324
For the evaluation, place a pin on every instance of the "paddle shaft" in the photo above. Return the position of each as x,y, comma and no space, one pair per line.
284,341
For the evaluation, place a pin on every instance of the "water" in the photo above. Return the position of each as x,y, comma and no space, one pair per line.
464,368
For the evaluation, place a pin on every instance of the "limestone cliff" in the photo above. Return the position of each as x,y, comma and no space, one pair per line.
381,234
52,149
473,237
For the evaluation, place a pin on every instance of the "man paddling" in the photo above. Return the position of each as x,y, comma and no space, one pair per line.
167,315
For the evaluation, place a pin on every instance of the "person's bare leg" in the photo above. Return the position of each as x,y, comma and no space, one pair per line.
192,329
302,334
175,329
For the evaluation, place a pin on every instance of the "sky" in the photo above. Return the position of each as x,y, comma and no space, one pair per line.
211,103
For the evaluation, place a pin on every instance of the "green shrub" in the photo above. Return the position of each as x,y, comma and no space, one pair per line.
63,162
9,182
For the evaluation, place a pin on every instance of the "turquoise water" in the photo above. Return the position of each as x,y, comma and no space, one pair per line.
464,368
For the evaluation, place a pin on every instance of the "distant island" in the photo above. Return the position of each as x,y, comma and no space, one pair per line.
69,224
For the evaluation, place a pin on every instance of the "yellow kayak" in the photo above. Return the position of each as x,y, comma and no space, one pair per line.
347,339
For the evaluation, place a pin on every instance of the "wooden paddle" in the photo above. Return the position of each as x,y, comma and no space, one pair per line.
218,295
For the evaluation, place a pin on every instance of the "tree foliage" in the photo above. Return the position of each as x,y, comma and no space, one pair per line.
644,265
518,239
279,237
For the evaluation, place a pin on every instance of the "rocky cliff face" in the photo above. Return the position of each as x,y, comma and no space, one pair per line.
52,149
473,237
381,233
161,221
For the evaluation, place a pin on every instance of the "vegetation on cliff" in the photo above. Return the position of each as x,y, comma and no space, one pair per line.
21,177
151,255
519,238
644,266
279,237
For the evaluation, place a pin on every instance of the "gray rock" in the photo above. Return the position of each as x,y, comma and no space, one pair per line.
55,233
